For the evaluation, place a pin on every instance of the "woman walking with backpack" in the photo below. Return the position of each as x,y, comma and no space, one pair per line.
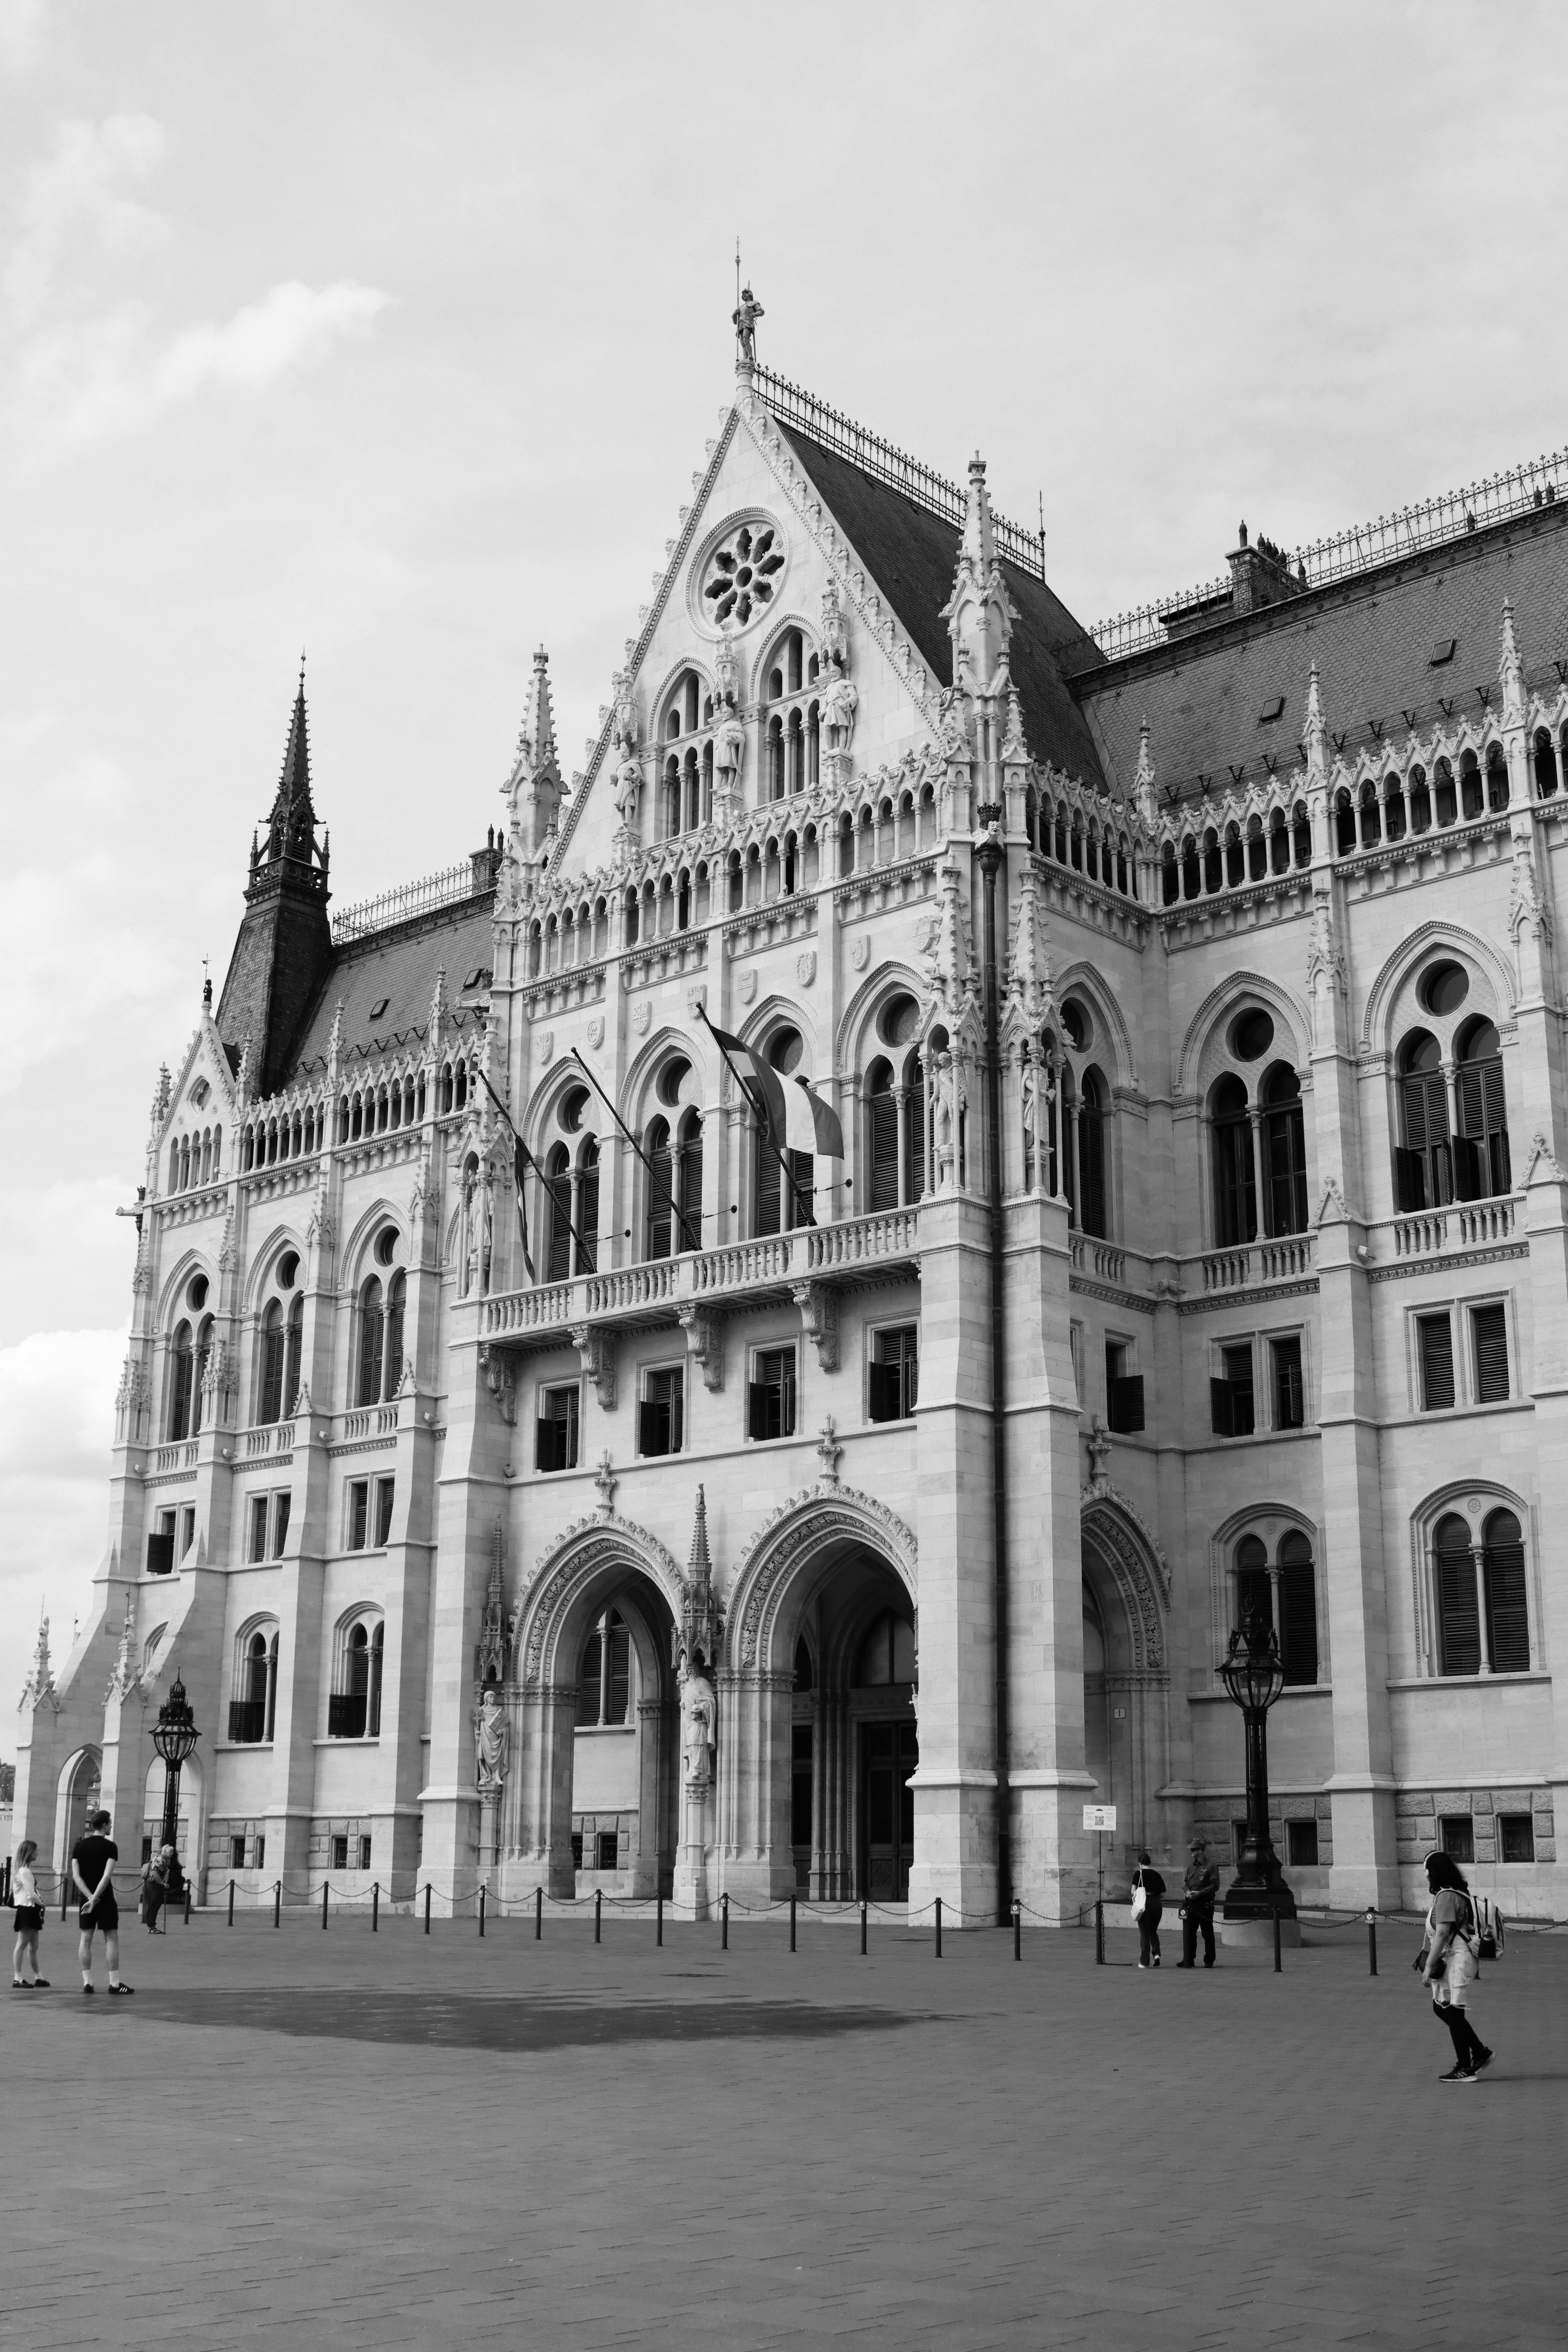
1449,1961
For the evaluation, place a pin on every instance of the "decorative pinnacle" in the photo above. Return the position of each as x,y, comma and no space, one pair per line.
699,1563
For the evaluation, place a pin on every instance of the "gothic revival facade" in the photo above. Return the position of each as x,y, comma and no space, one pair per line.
541,1472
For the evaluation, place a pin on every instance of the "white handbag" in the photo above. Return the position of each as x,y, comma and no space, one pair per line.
1140,1897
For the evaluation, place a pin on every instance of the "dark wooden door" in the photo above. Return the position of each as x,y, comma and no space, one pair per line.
888,1755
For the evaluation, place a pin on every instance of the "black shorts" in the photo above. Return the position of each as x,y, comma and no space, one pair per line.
29,1918
105,1914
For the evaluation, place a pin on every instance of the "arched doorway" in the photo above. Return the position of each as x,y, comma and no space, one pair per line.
81,1781
824,1742
1126,1683
592,1803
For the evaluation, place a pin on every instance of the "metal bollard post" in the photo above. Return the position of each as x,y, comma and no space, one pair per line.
326,1884
231,1902
538,1913
658,1921
63,1890
187,1902
375,1906
482,1906
426,1906
724,1922
792,1922
276,1901
1100,1935
1372,1939
1277,1943
939,1926
598,1910
862,1931
1017,1929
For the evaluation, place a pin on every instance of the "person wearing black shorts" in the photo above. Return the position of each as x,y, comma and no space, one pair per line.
93,1858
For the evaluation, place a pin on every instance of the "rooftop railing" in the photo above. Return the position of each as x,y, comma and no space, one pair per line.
928,488
1434,523
447,888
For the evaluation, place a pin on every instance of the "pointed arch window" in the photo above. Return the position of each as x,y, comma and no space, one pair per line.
604,1677
371,1341
274,1344
182,1371
292,1346
1423,1159
881,1140
1483,1615
1235,1189
1284,1154
1091,1124
558,1210
1482,1163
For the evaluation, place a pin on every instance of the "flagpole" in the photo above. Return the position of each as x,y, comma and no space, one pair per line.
583,1247
762,1122
675,1207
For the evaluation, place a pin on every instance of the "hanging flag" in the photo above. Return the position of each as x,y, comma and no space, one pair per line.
519,1165
769,1094
813,1123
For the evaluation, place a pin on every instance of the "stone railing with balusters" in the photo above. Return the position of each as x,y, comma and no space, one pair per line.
1462,1225
1250,1266
706,1277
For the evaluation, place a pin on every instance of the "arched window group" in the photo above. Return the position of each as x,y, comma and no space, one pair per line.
282,1331
1396,806
1451,1112
1099,849
893,1163
252,1706
196,1159
686,777
379,1358
1200,864
783,1182
571,1208
1281,1594
376,1110
353,1708
1482,1605
674,1149
1257,1140
189,1352
792,724
288,1133
453,1087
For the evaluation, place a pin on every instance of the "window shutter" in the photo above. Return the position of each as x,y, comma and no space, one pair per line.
884,1139
1298,1617
768,1173
1460,1623
786,1398
547,1448
877,1391
588,1219
1436,1363
1469,1184
648,1433
677,1415
160,1555
1491,1354
1508,1618
757,1395
1125,1400
1410,1181
1222,1414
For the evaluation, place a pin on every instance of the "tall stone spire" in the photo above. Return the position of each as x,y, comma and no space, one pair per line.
533,789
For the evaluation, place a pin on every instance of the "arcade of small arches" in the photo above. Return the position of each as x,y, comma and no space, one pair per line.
378,1108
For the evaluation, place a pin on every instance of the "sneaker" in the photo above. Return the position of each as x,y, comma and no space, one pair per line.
1185,1964
89,1988
1157,1959
1142,1964
41,1984
1483,2061
118,1992
1456,2074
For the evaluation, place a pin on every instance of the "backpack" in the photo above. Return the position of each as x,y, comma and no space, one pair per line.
1485,1921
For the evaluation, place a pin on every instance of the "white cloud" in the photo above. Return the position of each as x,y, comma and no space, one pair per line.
74,189
57,1425
104,379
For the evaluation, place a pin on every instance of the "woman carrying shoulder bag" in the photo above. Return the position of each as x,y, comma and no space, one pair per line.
1148,1901
1449,1962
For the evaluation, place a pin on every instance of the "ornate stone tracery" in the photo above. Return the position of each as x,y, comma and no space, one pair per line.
798,1530
1119,1537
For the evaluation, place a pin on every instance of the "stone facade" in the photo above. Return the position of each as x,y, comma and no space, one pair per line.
1186,995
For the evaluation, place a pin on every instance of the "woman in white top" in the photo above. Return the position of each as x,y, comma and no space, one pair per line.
1448,1961
29,1921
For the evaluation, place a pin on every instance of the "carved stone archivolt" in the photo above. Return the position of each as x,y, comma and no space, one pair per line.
587,1547
1136,1566
796,1531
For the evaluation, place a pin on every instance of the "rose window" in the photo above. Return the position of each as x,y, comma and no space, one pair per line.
741,574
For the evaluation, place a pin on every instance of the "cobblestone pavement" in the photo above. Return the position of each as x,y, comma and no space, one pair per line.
298,2138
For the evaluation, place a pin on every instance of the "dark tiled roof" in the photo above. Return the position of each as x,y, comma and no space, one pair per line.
1371,637
911,554
401,965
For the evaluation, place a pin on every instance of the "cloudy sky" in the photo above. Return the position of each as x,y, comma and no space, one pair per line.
396,331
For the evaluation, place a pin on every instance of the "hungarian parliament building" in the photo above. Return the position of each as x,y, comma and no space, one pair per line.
758,1334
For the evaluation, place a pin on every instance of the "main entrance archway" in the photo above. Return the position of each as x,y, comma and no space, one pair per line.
592,1804
819,1740
1126,1684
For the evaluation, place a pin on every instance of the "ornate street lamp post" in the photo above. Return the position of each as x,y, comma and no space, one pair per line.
1254,1675
173,1736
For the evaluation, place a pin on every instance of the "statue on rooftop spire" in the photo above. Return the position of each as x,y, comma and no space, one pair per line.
747,312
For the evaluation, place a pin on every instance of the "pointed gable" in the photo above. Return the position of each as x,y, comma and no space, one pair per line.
911,554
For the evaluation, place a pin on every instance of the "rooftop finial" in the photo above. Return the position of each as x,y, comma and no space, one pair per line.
206,984
747,310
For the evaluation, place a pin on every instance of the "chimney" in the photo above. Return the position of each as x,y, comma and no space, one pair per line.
1259,574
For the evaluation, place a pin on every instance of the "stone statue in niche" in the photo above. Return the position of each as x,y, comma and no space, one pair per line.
491,1736
698,1724
628,788
1029,1088
947,1111
471,1235
840,702
835,635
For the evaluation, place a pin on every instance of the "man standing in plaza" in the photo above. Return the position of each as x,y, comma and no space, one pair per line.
1200,1885
93,1858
